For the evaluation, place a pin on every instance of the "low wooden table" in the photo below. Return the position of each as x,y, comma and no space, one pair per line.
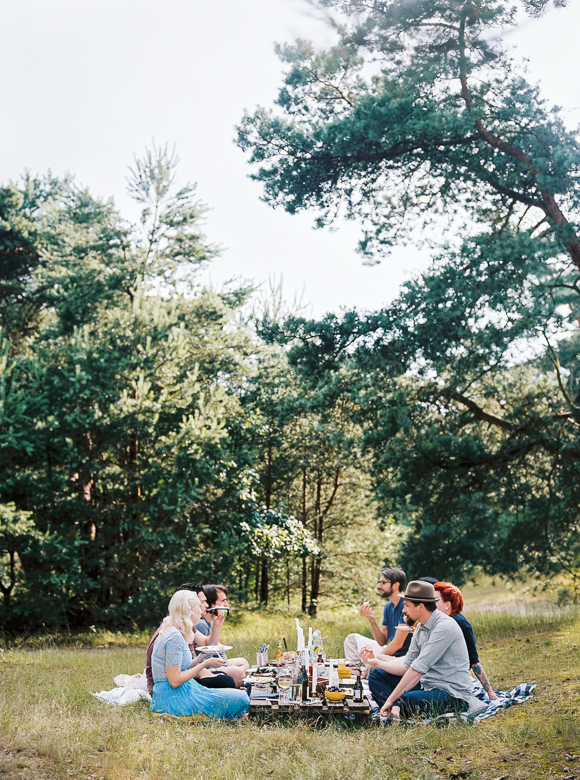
346,709
269,708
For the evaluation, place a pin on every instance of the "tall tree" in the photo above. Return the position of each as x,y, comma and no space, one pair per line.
114,406
419,111
468,382
309,463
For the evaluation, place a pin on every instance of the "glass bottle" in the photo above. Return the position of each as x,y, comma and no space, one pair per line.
318,645
357,691
279,651
294,686
303,682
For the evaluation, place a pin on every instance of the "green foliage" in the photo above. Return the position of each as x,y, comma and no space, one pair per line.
415,114
146,431
466,386
272,534
304,449
114,410
153,431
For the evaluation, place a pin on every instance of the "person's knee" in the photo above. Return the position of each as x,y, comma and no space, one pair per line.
241,662
238,674
351,648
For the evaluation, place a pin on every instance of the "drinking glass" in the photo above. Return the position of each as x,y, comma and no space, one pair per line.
283,681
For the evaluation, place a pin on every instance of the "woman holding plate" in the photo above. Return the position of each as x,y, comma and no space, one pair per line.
211,676
175,689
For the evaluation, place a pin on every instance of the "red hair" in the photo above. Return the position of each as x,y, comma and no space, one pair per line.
449,593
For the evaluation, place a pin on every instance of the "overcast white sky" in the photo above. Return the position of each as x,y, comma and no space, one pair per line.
88,83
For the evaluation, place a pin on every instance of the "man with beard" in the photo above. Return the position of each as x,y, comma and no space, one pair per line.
433,677
216,596
390,585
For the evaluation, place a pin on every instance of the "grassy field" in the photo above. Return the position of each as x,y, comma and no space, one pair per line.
51,727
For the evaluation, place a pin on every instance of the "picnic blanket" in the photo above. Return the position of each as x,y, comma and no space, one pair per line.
130,688
517,695
122,696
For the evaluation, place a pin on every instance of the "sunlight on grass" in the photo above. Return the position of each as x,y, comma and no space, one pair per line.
46,707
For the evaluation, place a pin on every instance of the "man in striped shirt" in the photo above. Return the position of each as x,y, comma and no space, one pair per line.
434,675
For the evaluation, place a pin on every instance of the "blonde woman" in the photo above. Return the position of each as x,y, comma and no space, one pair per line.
175,690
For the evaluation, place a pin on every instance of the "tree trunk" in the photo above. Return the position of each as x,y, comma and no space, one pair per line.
315,586
269,475
264,585
319,518
264,582
317,560
7,589
246,581
304,523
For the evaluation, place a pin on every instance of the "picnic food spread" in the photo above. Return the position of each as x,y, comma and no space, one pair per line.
306,681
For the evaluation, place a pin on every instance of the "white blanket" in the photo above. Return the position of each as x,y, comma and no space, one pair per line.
122,696
130,688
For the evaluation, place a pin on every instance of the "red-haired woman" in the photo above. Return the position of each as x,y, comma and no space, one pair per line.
451,603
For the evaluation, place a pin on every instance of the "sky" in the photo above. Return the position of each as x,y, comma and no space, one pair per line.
88,84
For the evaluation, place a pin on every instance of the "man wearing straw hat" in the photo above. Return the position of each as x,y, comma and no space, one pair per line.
434,675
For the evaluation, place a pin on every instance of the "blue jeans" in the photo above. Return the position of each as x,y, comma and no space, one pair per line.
433,702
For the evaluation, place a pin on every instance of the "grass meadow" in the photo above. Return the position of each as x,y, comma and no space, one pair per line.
52,728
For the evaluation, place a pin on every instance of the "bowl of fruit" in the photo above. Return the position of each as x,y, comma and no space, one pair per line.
334,694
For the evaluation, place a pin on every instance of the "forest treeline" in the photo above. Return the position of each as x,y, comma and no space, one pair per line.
153,430
149,435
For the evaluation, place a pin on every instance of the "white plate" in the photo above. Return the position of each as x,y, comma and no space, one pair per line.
259,680
214,648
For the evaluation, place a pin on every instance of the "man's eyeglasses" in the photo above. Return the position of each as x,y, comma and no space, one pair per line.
384,582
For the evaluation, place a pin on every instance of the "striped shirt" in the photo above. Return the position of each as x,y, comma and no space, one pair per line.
438,652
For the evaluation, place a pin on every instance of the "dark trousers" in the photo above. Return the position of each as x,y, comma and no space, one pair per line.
433,702
217,681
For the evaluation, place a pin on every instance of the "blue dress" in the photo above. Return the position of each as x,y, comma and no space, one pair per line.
189,698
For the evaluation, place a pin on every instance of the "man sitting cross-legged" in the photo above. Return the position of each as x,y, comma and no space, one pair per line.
434,675
216,597
390,585
209,677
